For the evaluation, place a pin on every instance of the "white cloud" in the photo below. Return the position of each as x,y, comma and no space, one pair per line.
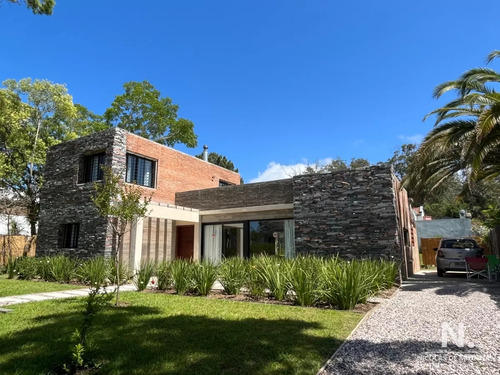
277,171
417,138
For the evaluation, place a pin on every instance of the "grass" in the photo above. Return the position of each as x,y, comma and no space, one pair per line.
13,287
158,333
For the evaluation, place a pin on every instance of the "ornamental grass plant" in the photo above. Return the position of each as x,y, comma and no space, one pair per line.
204,276
233,274
182,271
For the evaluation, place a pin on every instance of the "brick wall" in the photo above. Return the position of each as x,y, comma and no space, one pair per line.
177,171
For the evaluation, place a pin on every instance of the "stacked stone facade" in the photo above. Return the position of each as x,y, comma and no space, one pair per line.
350,213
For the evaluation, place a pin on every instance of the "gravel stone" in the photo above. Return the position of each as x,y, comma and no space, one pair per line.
404,335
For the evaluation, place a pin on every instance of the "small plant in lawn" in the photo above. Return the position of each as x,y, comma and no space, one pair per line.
274,272
254,282
144,274
27,268
164,275
95,271
233,274
204,276
304,278
182,274
11,268
62,268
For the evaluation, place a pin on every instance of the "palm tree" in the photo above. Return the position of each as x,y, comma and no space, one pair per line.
466,134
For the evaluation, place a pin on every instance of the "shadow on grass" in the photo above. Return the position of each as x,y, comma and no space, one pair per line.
140,340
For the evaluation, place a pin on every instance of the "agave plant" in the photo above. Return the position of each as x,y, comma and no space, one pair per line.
204,276
233,274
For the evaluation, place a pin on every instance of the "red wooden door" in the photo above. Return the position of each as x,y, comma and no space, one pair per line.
185,241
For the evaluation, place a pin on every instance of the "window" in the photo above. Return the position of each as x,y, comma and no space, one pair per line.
92,170
140,171
224,183
68,235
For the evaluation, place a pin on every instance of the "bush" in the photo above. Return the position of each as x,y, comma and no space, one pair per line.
304,279
182,271
62,268
254,281
44,268
27,268
143,275
11,268
204,277
274,272
233,274
164,275
95,272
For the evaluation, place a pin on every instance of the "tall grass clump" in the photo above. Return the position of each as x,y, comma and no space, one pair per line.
62,268
95,272
204,276
274,271
390,272
27,268
233,274
164,275
182,270
346,283
254,281
11,268
120,272
304,277
144,274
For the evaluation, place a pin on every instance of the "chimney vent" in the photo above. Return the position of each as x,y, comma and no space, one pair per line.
205,153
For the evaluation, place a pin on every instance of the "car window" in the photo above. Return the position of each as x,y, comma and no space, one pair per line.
459,244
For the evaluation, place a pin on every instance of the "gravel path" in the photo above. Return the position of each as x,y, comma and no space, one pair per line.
404,334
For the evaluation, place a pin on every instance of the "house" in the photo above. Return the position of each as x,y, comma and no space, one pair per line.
200,211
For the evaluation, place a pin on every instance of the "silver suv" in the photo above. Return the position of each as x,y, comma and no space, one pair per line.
452,252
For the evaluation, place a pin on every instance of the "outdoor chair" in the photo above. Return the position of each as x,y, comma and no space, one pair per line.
478,267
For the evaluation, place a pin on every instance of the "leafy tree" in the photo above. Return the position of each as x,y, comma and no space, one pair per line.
219,160
123,205
402,159
359,163
29,128
337,164
37,6
142,111
466,133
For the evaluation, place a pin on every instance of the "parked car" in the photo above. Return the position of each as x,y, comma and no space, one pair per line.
451,254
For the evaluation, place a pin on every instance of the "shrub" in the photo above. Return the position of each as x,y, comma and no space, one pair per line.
144,274
204,277
95,272
182,270
304,278
11,267
233,274
119,272
164,275
274,272
44,268
254,281
345,284
27,268
62,268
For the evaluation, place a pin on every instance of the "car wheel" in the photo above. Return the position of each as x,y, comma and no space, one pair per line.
440,272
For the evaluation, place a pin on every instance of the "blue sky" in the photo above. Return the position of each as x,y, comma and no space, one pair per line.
273,85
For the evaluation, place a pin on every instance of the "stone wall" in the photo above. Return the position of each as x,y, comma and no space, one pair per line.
64,200
248,195
351,213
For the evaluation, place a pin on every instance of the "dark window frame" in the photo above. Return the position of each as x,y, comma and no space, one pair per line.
136,174
225,183
68,235
91,170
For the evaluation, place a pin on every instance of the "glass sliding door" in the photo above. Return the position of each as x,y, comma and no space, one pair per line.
212,243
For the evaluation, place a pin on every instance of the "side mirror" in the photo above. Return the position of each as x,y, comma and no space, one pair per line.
435,249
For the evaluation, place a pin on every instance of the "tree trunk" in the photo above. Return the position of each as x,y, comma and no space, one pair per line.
117,265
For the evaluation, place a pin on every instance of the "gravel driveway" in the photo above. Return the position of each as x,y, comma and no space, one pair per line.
404,335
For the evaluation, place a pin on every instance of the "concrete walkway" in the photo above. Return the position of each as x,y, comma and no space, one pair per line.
14,300
430,326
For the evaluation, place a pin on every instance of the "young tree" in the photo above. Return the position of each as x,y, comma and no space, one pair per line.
219,160
37,6
123,205
142,111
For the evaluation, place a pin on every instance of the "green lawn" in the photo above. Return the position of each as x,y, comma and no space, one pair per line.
169,334
13,287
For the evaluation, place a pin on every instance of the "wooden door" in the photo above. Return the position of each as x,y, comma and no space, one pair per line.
185,241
